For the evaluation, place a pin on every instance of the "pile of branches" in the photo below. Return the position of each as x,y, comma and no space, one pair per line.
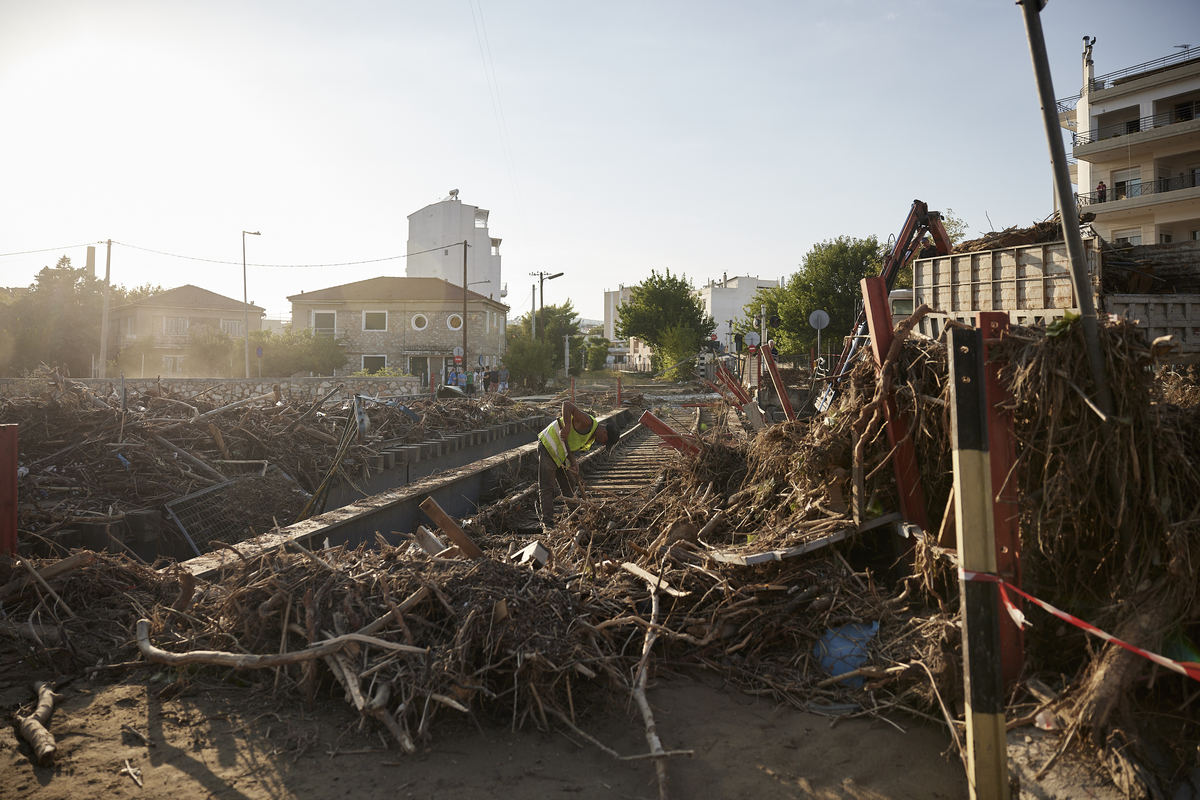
88,458
1049,230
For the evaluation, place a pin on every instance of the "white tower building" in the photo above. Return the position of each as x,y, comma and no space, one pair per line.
435,236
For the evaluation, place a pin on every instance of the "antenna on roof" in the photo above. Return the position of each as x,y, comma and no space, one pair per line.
454,194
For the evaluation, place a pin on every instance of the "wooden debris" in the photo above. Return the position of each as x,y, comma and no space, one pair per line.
33,727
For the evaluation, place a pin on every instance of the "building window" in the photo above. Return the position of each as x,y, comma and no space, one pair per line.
374,321
173,326
374,363
324,322
173,365
1127,183
454,322
232,327
420,322
1128,236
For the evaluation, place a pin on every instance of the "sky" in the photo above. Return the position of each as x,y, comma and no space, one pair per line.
607,139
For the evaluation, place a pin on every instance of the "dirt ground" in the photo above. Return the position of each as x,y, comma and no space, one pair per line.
241,744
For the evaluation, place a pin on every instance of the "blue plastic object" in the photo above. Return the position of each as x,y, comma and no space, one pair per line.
844,649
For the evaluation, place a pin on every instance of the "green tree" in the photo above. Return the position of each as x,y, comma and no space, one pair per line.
209,352
661,306
57,321
676,354
529,361
298,351
828,279
554,322
597,353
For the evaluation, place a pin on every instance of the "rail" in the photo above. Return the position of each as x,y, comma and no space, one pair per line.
1110,79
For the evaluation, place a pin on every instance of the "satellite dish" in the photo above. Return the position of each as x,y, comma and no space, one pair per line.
818,319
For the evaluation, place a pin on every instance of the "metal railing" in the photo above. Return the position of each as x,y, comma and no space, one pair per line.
1109,79
1185,112
1137,189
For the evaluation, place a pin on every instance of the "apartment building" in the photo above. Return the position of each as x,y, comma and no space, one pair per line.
726,300
1135,135
435,243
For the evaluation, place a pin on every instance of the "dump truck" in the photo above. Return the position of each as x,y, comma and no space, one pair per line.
1156,286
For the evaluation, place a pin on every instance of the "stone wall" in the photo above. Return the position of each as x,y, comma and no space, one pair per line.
221,390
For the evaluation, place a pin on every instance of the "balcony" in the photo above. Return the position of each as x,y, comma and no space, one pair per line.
1185,112
1135,189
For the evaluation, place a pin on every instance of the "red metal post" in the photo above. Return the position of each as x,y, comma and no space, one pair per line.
669,435
1002,454
732,382
904,456
780,389
8,489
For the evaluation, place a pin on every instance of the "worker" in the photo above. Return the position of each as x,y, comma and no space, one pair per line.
558,445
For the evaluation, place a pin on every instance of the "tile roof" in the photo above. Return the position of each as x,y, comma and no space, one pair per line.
389,289
189,296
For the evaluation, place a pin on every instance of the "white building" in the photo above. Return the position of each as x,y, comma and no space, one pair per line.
435,237
1137,132
725,301
633,354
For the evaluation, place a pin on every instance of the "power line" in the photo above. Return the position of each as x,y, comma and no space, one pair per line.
285,266
50,249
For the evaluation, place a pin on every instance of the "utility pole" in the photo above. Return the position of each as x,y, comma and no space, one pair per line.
245,302
464,319
533,309
1066,205
567,356
104,313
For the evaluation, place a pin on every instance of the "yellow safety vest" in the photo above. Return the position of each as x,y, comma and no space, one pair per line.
551,439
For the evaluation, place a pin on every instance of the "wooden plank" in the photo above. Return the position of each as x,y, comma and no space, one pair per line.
428,541
766,556
655,582
448,526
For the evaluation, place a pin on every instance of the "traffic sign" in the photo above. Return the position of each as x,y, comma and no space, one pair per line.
458,351
818,319
752,339
458,359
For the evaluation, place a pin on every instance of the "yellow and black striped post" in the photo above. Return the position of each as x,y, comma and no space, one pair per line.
987,756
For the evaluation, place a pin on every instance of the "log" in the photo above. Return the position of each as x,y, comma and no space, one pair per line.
49,572
251,661
33,728
203,466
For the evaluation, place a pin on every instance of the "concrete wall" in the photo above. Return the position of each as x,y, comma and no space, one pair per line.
221,391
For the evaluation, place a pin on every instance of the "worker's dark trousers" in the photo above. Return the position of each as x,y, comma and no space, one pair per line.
548,474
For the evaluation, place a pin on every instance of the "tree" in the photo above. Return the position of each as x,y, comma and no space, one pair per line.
664,306
57,321
828,279
554,322
209,352
597,353
529,361
298,351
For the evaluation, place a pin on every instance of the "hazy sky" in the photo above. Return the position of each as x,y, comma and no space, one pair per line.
606,138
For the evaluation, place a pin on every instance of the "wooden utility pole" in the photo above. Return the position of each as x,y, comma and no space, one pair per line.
464,319
104,313
987,755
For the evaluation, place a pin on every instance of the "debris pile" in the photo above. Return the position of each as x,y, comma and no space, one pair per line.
1048,230
89,460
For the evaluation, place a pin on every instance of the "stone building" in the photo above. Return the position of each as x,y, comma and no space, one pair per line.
407,324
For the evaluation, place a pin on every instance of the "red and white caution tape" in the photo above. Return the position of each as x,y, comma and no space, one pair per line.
1188,668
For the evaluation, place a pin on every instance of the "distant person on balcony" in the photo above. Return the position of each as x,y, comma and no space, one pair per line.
560,441
1101,192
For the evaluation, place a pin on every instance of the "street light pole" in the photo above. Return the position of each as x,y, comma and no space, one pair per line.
245,302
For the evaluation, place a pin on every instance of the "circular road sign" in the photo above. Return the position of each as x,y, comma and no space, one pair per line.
458,351
751,339
458,359
818,319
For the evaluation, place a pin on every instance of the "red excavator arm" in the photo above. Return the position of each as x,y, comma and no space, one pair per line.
920,222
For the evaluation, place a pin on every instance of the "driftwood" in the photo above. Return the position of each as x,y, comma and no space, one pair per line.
33,728
251,661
